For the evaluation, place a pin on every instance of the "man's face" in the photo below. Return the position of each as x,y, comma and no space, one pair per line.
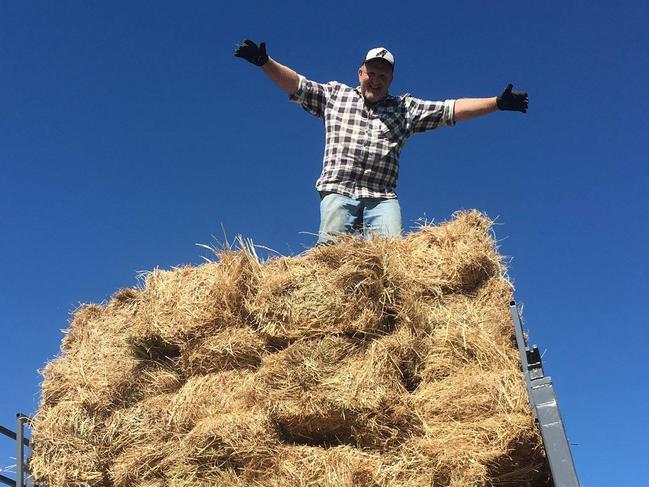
375,77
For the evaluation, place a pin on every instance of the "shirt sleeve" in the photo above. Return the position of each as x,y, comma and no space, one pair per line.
312,96
428,115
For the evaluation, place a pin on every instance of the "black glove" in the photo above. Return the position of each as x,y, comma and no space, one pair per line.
252,53
515,101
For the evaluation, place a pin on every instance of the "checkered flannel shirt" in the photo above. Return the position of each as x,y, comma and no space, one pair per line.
363,142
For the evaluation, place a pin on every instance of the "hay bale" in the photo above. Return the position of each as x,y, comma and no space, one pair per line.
97,367
388,362
72,447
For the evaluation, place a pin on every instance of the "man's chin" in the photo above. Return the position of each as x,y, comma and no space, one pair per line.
372,97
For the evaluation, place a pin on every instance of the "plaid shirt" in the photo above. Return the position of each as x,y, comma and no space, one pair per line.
363,142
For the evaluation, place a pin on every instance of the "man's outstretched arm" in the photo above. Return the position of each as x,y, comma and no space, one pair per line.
283,76
468,108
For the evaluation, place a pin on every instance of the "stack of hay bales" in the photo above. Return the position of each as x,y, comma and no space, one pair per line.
365,363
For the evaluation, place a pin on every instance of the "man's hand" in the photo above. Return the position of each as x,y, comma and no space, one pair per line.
252,53
512,100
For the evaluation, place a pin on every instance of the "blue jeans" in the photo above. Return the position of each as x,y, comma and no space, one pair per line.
366,216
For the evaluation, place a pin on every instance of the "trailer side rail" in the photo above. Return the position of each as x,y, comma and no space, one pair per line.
545,409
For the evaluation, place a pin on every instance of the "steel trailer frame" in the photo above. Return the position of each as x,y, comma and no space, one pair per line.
545,409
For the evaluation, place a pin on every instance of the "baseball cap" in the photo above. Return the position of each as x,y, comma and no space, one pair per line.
380,53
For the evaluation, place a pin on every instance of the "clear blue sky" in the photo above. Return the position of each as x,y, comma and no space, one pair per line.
129,133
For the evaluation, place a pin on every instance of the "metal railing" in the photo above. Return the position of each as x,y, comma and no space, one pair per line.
23,478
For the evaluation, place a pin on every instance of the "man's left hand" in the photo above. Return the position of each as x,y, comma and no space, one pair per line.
512,100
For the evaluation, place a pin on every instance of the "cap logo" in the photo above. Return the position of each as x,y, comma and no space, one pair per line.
380,53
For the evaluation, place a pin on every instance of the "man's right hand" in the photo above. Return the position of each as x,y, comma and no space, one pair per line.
253,53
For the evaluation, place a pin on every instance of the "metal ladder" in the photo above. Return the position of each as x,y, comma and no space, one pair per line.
23,478
545,409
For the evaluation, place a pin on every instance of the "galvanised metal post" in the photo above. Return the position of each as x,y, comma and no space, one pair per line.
21,444
20,451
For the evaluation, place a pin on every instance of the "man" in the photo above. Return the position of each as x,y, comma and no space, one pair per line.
366,128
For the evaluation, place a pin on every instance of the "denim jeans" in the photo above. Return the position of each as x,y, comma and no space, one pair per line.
366,216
